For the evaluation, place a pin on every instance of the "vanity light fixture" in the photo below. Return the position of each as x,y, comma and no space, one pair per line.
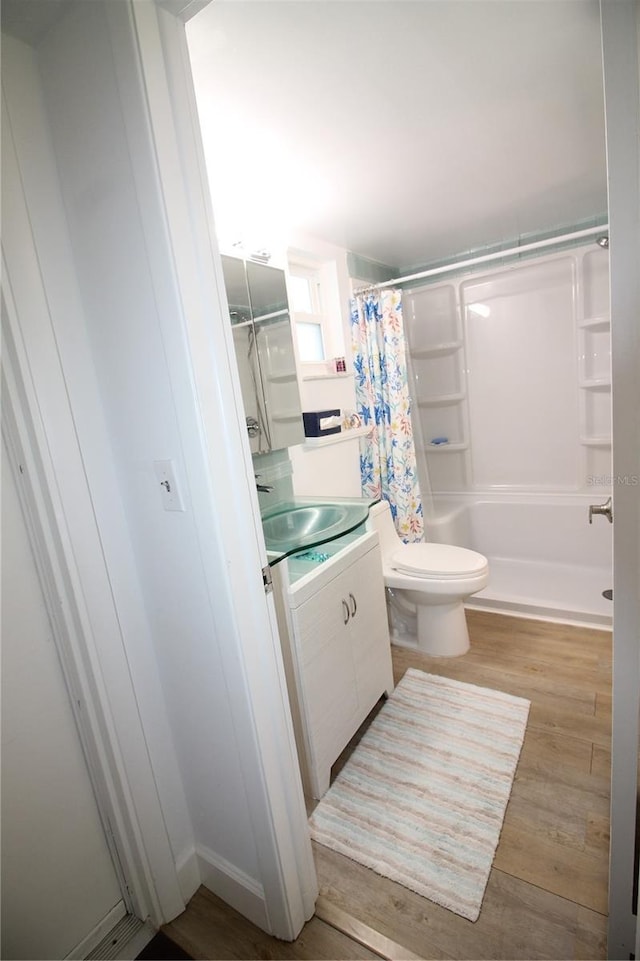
261,256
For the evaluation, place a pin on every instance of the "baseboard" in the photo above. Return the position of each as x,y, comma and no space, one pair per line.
236,888
188,872
88,943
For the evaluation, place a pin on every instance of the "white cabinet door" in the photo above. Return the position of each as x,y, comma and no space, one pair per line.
58,880
343,660
369,629
326,678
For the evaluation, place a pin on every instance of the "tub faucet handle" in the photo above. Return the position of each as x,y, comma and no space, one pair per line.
606,509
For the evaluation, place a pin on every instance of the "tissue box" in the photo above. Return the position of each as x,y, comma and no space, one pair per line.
319,423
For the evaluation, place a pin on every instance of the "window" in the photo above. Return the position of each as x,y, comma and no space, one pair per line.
307,310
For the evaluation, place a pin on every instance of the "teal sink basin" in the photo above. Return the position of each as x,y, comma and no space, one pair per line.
304,525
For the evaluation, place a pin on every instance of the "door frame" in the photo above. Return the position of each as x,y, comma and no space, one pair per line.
274,784
620,27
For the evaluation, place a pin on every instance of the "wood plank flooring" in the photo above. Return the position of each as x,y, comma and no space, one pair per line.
547,892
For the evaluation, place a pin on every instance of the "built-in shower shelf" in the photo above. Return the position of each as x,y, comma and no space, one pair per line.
444,448
328,376
442,400
600,323
351,434
449,347
596,383
596,441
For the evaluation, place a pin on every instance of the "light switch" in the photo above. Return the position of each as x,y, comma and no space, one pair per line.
168,485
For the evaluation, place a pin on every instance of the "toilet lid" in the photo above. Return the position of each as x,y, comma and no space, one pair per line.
438,560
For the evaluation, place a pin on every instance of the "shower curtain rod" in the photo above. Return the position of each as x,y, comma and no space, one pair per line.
460,264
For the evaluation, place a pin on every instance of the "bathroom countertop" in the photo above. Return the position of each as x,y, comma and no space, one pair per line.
287,537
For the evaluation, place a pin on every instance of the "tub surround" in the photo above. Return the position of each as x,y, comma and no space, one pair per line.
512,368
510,372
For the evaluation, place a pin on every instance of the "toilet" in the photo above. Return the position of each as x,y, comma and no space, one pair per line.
427,585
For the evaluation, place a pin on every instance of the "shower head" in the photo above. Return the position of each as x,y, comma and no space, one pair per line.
603,241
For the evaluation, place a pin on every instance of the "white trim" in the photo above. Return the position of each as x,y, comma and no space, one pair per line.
188,875
620,26
235,887
93,939
183,9
251,656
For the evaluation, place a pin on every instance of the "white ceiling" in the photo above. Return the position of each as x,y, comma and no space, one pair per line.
404,130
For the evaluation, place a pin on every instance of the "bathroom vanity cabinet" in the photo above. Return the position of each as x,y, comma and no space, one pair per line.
335,639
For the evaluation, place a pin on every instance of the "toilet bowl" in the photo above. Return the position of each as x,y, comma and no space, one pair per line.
427,585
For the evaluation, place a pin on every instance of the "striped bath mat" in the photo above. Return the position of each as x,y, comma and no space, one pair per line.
422,798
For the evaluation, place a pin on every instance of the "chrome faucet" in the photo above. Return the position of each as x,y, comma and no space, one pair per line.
263,488
253,427
606,509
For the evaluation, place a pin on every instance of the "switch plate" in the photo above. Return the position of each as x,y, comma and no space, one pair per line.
168,485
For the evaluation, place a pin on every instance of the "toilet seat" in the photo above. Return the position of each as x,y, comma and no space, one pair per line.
438,561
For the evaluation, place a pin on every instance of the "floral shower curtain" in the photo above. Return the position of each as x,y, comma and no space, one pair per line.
388,461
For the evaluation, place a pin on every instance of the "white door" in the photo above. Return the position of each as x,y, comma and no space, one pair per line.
59,884
621,32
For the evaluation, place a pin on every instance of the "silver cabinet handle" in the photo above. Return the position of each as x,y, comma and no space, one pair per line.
345,608
354,606
606,509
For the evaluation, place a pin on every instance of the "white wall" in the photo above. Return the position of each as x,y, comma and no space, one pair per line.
333,470
129,363
122,321
116,283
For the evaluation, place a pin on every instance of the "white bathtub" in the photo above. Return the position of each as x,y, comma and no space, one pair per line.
545,559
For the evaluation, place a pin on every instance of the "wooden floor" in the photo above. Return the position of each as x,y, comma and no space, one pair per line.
547,892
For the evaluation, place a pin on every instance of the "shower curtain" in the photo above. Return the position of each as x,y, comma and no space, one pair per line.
388,460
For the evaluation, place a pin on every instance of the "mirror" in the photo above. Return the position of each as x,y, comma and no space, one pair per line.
263,341
235,282
267,289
